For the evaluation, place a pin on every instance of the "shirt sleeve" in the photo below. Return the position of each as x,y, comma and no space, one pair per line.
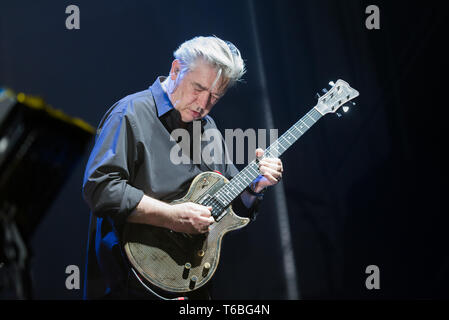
106,187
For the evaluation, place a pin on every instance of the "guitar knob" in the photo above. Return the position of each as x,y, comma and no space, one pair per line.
186,271
193,281
200,253
206,269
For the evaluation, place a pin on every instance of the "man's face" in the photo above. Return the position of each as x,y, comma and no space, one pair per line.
198,90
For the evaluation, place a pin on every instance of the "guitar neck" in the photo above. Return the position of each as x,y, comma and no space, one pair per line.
231,190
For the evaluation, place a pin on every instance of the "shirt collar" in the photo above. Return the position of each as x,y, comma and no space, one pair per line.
163,103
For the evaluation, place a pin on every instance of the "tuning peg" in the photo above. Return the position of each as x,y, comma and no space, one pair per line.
353,103
324,90
331,83
338,114
345,108
318,95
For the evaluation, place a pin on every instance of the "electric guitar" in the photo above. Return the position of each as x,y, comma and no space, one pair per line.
179,262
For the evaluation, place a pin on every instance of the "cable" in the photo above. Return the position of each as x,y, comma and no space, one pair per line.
157,295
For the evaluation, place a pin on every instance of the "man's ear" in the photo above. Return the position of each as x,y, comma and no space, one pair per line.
175,69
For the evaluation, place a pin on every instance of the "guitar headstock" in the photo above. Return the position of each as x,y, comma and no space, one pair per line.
340,93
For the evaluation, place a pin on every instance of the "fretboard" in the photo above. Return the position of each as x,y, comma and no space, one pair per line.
231,190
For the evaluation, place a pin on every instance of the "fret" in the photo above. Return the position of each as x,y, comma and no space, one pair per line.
243,173
226,195
305,124
254,171
314,113
299,129
219,197
229,192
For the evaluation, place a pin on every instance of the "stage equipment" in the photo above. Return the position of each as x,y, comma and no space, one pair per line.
39,147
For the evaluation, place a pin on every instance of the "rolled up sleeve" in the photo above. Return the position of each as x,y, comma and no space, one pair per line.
106,186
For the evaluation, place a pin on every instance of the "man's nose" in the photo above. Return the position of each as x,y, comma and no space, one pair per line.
204,99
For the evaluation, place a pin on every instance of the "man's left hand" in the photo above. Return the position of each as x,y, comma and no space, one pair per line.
270,168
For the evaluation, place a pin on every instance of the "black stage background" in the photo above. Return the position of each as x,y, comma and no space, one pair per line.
368,188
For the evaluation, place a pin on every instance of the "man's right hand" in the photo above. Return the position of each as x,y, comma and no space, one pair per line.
191,218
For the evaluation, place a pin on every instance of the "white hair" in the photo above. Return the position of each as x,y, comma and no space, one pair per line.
223,55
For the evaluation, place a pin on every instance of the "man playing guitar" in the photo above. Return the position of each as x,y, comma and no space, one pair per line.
129,177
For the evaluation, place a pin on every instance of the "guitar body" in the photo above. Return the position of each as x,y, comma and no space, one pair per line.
178,262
